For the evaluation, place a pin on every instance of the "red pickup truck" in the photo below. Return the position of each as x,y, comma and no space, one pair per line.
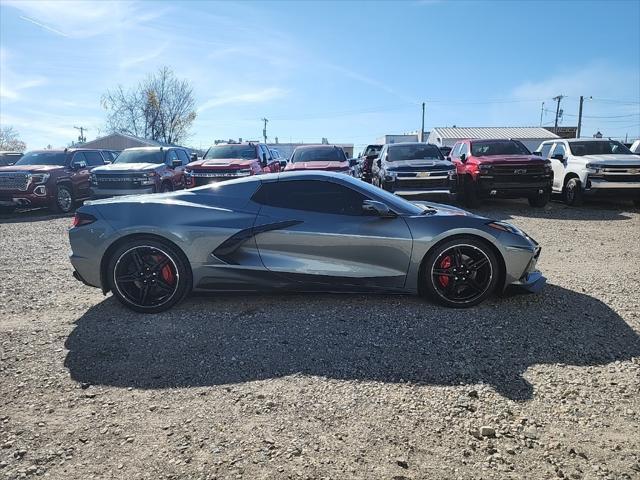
231,160
57,179
500,168
319,157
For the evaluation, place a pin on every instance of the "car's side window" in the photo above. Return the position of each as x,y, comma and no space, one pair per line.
559,150
182,155
93,159
544,151
265,151
312,196
78,158
171,156
464,148
455,152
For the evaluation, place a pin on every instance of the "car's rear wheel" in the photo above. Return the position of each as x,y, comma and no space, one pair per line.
573,192
461,272
149,276
540,200
63,201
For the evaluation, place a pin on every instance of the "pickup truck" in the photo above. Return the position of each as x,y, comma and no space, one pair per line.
413,169
141,170
500,168
592,167
57,179
366,160
225,161
329,158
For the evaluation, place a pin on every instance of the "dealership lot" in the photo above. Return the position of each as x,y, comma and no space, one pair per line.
328,386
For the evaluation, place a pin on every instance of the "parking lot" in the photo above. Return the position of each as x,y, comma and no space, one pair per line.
328,386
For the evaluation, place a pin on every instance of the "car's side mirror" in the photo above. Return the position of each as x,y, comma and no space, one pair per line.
448,158
283,163
379,162
559,157
463,157
537,153
264,159
108,162
353,162
377,208
176,162
194,157
79,165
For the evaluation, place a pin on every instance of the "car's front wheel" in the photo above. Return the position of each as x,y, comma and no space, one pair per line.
461,272
573,194
149,276
63,201
541,199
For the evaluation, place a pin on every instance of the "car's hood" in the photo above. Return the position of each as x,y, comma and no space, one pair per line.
31,168
127,167
444,210
419,165
223,163
324,165
613,159
508,159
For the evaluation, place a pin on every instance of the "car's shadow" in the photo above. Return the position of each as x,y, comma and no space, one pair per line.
31,215
238,338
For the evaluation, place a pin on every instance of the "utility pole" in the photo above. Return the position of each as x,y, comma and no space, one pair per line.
82,138
422,129
557,99
541,113
264,130
579,117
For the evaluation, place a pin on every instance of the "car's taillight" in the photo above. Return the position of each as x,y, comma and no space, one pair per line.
80,219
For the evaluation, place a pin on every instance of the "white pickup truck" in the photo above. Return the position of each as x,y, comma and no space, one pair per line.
592,166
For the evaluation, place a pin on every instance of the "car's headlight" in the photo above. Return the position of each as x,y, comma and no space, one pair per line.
484,169
390,175
547,166
451,174
507,227
244,173
187,173
94,179
593,168
38,178
148,178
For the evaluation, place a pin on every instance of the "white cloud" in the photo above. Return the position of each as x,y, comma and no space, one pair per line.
132,61
258,96
12,83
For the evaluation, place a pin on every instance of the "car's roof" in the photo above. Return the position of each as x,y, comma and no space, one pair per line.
314,147
410,143
149,149
493,140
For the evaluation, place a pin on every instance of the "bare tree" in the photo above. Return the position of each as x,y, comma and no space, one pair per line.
160,108
10,140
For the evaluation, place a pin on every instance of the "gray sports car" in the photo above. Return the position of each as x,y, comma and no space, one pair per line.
298,231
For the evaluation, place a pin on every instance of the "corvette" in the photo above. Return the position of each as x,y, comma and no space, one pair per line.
294,231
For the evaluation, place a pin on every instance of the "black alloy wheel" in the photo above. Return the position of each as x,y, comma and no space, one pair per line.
461,272
573,192
149,276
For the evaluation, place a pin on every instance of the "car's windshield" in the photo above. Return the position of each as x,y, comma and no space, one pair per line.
43,158
324,154
140,156
247,152
372,150
604,147
487,149
414,152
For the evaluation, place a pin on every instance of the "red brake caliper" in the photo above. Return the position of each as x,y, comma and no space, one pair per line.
445,263
166,272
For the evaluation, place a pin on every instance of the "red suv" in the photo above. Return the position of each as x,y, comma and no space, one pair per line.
49,178
231,160
501,168
329,158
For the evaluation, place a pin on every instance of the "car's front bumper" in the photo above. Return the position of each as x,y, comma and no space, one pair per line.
596,186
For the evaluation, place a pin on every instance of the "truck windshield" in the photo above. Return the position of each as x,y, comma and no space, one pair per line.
372,150
414,152
43,158
140,156
604,147
247,152
318,155
487,149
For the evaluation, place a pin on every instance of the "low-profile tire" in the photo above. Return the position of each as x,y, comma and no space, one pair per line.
460,273
540,200
470,194
63,201
573,194
148,275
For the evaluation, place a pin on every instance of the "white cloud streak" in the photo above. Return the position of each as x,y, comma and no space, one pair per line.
258,96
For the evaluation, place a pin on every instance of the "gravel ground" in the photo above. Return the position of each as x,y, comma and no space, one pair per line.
328,386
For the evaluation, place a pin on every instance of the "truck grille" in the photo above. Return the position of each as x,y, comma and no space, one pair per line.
515,174
117,182
14,181
215,174
424,183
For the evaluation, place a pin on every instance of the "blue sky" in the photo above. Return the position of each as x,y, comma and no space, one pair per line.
346,71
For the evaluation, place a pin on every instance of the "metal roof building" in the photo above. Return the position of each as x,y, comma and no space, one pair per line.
530,136
120,141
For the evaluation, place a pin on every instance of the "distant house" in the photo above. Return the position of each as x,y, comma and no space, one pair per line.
120,141
531,137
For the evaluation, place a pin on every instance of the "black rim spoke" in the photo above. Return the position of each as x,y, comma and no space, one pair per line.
146,276
471,278
443,272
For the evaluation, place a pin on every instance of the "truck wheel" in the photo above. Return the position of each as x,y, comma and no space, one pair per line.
573,192
470,195
63,201
540,200
166,187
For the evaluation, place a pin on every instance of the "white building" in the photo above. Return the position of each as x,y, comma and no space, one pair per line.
410,137
531,137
